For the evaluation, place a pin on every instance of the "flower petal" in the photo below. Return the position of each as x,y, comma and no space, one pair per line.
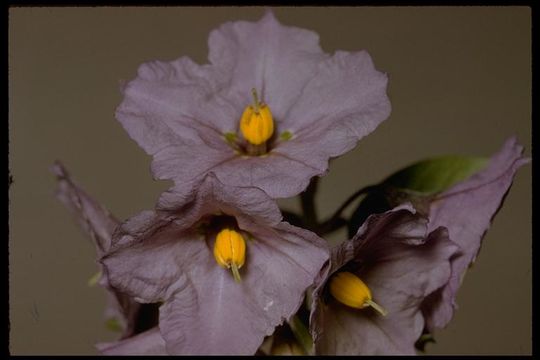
218,316
149,342
344,102
276,60
467,210
205,311
180,111
131,264
277,174
189,161
192,201
99,224
401,266
170,103
92,217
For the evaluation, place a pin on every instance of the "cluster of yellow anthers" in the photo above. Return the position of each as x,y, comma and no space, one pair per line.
230,251
256,123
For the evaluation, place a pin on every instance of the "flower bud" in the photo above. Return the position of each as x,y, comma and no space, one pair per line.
230,251
348,289
256,123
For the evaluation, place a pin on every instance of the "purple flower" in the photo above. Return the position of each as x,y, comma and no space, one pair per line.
467,210
310,107
99,224
368,298
176,255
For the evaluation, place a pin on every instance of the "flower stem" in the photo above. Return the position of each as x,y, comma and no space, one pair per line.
301,334
307,201
336,221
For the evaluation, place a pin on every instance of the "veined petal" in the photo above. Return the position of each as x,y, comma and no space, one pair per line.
345,84
402,265
277,60
344,102
181,112
277,174
205,311
190,161
170,103
220,317
96,221
247,204
132,263
467,210
93,218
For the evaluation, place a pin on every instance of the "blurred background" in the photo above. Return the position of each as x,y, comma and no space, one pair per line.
460,82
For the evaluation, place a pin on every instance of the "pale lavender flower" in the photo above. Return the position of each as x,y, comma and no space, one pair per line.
96,221
168,256
187,115
467,210
401,263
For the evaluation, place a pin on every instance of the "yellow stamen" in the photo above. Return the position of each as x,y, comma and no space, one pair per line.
230,251
256,123
348,289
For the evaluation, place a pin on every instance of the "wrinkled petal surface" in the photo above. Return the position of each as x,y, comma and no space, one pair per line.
93,218
149,342
179,111
161,257
96,221
401,265
467,210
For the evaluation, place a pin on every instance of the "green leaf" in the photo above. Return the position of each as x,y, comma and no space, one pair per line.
436,175
417,183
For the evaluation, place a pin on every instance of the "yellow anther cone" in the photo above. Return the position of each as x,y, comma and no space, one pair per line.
348,289
230,251
256,123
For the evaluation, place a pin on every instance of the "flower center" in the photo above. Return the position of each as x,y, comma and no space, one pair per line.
257,129
230,251
256,126
348,289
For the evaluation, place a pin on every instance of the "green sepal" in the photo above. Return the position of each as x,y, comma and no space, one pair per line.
230,137
286,135
113,324
94,279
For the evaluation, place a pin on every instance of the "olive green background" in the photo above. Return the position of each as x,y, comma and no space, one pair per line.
460,82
